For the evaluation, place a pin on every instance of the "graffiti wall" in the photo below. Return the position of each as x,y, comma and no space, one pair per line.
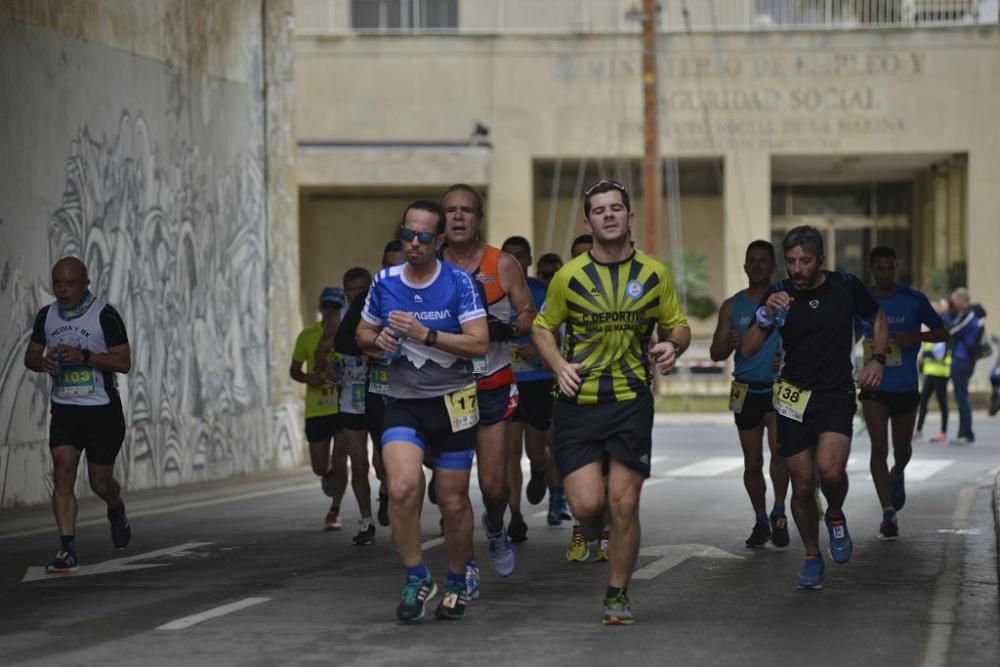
153,172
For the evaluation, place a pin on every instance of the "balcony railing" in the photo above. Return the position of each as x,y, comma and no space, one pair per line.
542,17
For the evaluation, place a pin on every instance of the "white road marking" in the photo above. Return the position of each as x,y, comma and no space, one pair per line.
194,619
133,514
430,544
115,564
672,555
709,467
917,470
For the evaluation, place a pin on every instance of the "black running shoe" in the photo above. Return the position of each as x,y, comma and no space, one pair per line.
413,602
536,486
365,536
65,561
779,530
383,510
888,530
121,531
760,535
452,605
517,529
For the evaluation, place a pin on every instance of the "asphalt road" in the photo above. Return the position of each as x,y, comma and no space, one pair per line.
240,573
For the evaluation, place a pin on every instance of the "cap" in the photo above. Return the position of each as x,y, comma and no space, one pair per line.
332,294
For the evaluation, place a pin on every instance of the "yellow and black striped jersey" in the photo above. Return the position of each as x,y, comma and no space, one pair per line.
610,311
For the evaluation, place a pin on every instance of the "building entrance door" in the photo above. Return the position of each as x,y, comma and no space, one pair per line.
847,239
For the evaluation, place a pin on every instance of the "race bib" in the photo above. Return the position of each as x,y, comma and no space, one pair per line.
358,396
463,408
738,396
893,354
522,364
328,396
75,381
479,366
379,381
790,401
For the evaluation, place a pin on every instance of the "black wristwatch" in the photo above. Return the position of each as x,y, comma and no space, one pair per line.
879,357
86,355
431,337
677,348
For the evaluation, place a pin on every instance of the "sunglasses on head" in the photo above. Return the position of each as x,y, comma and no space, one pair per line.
604,181
424,238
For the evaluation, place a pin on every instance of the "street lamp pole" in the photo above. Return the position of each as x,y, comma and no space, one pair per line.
652,166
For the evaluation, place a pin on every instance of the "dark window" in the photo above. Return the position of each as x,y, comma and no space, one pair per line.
404,15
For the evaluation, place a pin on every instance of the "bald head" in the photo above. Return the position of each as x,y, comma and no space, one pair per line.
69,281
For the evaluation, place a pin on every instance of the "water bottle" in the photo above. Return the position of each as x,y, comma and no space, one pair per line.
779,317
399,336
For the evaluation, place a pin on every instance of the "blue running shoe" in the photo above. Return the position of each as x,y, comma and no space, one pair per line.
121,531
840,540
811,578
471,581
502,557
554,517
65,561
898,491
413,602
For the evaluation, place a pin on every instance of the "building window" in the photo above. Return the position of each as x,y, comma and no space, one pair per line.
406,16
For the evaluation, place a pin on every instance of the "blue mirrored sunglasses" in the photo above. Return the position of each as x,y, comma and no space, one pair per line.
425,238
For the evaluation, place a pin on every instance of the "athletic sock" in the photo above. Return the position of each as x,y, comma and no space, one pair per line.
68,543
117,512
763,519
365,523
419,571
779,508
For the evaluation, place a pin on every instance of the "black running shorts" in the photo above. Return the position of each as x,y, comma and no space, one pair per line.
898,402
425,423
321,429
98,430
826,412
353,422
754,408
535,403
498,404
585,433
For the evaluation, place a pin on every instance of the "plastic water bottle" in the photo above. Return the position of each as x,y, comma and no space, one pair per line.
399,336
779,317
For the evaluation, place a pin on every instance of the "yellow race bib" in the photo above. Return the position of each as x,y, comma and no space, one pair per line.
463,408
790,401
738,396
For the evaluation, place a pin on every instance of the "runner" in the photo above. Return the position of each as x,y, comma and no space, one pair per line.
611,300
814,312
750,398
322,407
510,310
426,316
529,426
896,399
80,340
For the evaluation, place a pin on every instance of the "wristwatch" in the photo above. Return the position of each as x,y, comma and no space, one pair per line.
431,337
86,355
879,357
677,348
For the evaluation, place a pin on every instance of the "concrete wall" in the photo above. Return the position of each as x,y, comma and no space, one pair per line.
153,140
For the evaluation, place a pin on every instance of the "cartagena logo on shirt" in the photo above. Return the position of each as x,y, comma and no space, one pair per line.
433,315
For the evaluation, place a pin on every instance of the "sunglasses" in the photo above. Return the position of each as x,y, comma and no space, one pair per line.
329,305
424,238
604,181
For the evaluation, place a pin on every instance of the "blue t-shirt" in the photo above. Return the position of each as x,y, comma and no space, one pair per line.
443,303
527,370
758,369
906,309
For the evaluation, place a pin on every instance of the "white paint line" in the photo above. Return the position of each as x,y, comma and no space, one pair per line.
710,467
430,544
194,619
917,470
133,514
943,607
116,564
673,555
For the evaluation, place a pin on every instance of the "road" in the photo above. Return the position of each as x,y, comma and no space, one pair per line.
239,573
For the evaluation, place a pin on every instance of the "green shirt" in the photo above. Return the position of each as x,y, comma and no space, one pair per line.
610,311
323,400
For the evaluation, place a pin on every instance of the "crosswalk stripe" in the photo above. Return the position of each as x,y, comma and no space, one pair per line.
709,467
918,470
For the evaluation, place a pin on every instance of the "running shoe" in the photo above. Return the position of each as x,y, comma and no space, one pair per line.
811,578
517,528
65,561
121,531
452,605
940,436
536,486
840,540
577,550
898,493
471,581
617,610
889,528
554,517
759,536
601,555
502,557
326,483
413,602
383,510
564,512
365,536
333,520
779,530
960,441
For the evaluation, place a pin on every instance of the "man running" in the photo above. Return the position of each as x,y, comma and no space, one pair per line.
322,407
750,398
814,312
510,310
529,427
426,316
896,399
611,300
80,340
